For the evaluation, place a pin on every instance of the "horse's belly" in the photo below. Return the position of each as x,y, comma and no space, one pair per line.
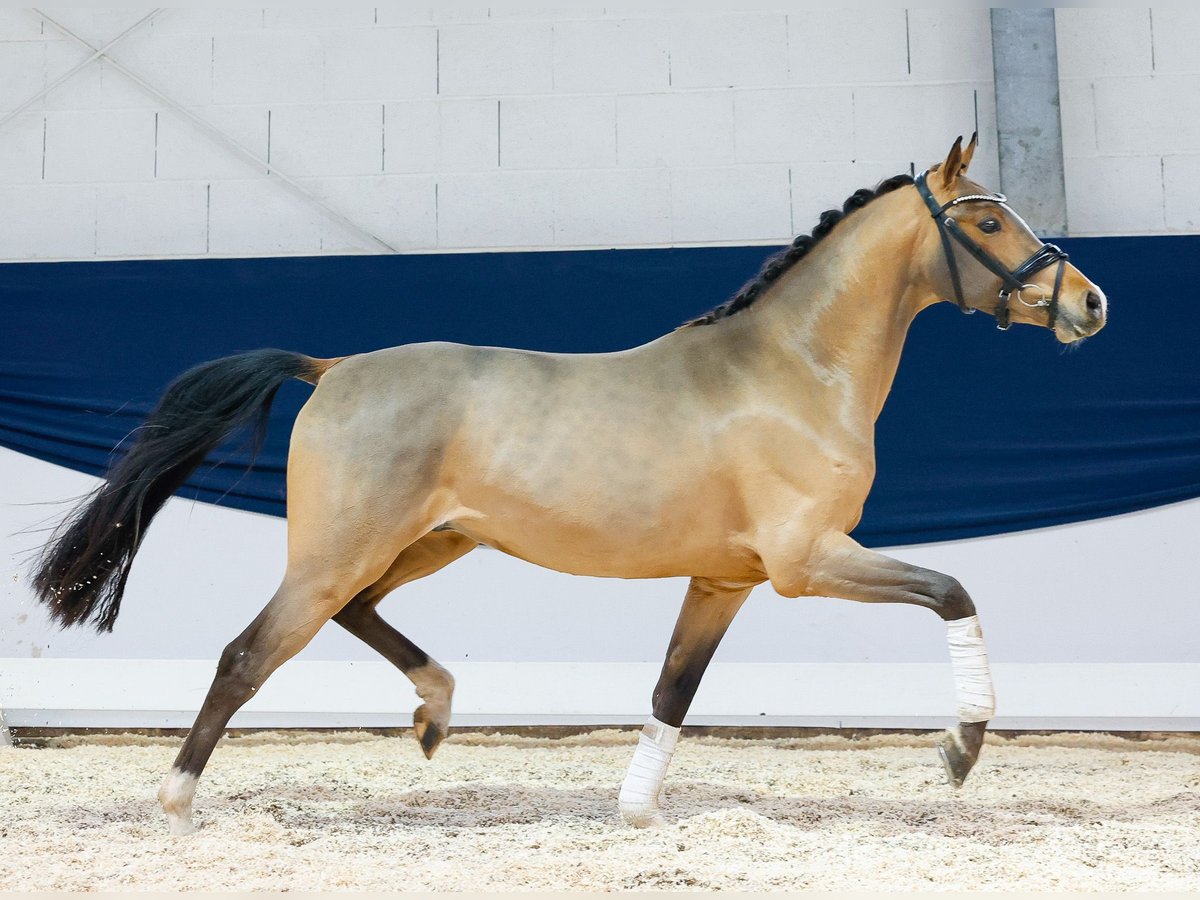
623,540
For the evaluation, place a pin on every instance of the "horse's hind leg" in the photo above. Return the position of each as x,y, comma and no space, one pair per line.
434,685
707,610
330,559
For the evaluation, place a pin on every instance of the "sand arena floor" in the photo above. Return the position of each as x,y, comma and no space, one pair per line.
355,811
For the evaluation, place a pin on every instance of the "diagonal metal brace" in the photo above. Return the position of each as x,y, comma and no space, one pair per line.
71,73
221,136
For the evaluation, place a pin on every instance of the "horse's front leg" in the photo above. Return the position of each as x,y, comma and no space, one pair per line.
707,610
842,568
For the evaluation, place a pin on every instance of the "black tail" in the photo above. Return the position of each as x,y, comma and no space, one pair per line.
82,572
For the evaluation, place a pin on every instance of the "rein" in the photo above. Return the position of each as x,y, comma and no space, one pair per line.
1012,280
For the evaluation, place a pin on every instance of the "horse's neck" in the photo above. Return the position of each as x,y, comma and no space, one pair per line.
840,317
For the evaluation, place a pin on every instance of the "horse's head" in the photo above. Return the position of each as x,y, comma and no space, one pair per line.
982,254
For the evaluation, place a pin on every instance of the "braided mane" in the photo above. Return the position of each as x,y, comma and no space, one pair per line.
779,263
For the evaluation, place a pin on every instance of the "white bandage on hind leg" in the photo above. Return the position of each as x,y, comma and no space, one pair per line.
639,794
972,677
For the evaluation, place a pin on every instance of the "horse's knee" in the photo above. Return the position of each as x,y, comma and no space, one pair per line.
238,673
950,599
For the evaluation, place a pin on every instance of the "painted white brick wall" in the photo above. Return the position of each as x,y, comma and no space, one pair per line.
468,126
1130,85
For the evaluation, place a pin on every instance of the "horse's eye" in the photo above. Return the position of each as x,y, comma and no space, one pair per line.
989,226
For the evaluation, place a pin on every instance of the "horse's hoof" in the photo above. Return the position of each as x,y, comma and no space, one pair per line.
642,817
429,733
180,826
959,750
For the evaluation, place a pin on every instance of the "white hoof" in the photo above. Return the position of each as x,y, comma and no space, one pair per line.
175,795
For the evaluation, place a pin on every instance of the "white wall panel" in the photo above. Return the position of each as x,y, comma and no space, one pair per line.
98,146
840,46
471,205
21,144
610,206
179,65
268,66
18,25
22,60
1130,120
737,50
380,63
687,129
747,203
625,56
816,187
327,139
923,118
322,19
208,21
1181,190
496,58
1103,43
442,136
54,221
401,209
1130,82
185,150
949,43
557,132
795,124
468,89
179,209
258,218
1107,193
1174,31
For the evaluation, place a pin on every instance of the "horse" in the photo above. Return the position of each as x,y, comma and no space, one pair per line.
735,450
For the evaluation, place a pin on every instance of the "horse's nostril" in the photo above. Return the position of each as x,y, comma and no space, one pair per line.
1093,303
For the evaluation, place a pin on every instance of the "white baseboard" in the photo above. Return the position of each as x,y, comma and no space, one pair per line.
154,693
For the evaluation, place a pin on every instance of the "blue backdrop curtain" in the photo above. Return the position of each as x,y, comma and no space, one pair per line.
984,432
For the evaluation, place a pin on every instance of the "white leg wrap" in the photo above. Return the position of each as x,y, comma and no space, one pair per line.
972,677
643,783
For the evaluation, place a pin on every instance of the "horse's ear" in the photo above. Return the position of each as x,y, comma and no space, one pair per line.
952,167
969,153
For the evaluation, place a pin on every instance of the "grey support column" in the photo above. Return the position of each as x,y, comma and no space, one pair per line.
1025,62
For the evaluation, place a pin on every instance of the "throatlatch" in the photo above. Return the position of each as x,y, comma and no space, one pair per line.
1011,280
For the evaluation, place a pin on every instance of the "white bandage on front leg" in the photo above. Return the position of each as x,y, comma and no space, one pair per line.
643,783
972,676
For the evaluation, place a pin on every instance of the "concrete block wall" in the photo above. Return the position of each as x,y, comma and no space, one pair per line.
472,127
476,127
1130,87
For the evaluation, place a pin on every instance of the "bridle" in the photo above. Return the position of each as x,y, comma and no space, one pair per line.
1012,280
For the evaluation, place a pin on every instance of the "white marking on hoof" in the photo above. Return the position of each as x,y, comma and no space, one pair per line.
175,795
